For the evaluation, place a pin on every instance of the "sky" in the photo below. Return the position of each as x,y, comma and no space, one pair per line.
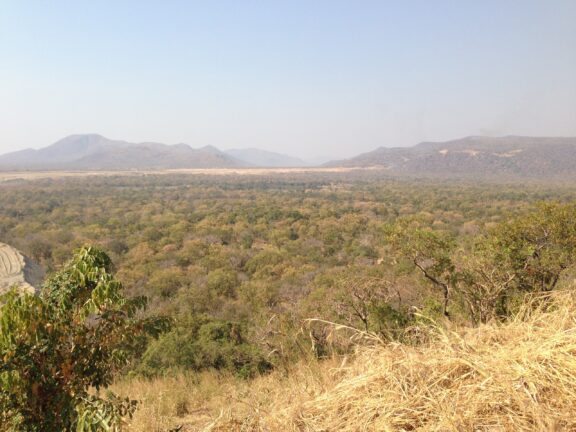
307,78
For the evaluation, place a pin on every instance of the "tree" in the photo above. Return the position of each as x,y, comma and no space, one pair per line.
429,252
197,343
72,338
486,279
528,253
541,245
223,282
369,300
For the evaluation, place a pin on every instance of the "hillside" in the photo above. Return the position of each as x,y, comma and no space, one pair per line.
508,376
476,156
95,152
241,264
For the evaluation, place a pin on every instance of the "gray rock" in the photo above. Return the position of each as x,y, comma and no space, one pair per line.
17,270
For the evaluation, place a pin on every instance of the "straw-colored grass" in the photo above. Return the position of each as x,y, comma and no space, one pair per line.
516,376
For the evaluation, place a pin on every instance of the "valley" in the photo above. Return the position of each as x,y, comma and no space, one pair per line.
288,216
276,278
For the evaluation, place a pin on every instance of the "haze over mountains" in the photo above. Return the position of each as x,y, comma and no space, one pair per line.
475,156
95,152
263,158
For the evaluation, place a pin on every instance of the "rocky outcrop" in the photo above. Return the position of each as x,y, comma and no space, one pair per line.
17,270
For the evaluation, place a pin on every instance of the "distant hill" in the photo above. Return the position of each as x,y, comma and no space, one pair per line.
263,158
476,156
95,152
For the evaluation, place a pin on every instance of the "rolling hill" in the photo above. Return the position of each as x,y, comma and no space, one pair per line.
513,156
95,152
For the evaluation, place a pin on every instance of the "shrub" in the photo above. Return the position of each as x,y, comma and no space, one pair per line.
72,338
201,343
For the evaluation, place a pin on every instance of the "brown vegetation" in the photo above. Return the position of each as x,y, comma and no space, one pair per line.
7,176
519,375
240,262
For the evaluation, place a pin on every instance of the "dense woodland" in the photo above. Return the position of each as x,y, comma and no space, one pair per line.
242,263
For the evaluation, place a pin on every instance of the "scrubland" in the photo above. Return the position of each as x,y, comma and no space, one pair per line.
324,301
517,375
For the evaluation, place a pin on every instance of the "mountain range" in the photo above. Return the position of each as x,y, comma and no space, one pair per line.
95,152
476,156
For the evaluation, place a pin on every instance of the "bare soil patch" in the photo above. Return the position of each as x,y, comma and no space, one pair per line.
34,175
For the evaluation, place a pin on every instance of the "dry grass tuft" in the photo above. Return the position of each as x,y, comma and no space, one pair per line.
520,375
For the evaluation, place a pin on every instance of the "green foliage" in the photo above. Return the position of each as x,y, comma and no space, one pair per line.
389,321
72,338
429,251
167,282
223,282
526,253
199,343
268,251
540,245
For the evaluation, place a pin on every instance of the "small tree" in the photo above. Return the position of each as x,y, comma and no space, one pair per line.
369,301
57,347
527,253
486,279
541,245
428,251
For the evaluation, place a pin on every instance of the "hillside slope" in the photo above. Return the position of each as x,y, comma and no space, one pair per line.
476,156
518,375
95,152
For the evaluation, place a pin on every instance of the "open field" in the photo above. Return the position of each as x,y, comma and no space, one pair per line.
35,175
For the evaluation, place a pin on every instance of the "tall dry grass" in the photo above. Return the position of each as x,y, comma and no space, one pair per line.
515,376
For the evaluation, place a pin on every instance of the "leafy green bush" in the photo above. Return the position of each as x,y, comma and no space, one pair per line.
223,282
71,339
201,343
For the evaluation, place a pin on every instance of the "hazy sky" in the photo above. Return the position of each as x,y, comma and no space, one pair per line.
301,77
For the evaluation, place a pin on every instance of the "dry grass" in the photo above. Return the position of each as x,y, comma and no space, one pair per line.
500,377
58,174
